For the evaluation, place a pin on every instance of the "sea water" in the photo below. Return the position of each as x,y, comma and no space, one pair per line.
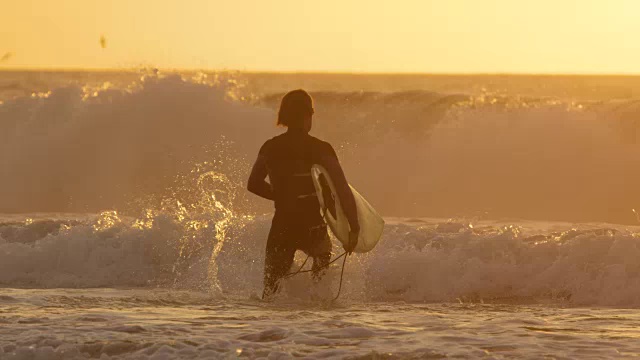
509,200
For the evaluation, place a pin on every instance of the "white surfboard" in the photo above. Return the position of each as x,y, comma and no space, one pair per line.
371,223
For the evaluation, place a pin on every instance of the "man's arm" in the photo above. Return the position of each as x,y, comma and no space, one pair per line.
257,183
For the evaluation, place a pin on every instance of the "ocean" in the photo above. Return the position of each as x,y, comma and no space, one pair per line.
511,204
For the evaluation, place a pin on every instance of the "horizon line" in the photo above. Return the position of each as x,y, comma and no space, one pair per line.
302,72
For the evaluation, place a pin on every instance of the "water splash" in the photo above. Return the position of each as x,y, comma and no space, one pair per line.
199,208
106,220
174,242
204,209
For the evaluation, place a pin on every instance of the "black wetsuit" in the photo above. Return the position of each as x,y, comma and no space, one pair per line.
297,223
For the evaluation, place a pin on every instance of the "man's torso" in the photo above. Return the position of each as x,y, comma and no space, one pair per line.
289,158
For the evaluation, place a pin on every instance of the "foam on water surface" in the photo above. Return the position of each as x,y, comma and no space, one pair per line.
417,260
160,324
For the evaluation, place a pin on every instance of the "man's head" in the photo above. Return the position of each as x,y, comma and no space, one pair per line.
296,110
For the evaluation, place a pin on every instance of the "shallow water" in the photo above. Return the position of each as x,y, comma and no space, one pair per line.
101,286
116,323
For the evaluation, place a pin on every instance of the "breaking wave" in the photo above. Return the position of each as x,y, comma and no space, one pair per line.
412,153
158,169
416,260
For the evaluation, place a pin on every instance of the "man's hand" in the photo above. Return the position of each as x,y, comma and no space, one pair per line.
353,240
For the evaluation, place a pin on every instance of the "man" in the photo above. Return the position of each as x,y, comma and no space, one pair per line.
298,223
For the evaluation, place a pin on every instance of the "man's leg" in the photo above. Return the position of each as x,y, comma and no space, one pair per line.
320,251
278,260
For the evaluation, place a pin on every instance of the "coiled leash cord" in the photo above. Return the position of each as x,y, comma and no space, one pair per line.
300,271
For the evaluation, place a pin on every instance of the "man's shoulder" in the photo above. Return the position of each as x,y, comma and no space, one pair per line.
322,148
267,145
320,143
274,142
277,138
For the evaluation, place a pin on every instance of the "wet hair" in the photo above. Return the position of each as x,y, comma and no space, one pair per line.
295,105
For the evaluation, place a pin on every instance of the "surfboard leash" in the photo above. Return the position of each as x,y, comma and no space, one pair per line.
300,271
344,261
286,276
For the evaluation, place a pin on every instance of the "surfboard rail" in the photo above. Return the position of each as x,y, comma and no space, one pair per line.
371,223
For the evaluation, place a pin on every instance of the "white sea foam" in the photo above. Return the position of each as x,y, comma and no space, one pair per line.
159,324
419,261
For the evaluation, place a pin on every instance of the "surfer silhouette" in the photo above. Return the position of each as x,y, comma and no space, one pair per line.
297,223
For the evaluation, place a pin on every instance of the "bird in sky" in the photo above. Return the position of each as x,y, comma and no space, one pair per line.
6,57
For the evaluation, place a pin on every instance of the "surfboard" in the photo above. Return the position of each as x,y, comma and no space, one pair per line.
371,223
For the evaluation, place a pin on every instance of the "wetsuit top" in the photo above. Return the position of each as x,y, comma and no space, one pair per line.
288,159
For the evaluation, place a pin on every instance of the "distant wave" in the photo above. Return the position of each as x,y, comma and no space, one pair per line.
411,153
423,153
78,150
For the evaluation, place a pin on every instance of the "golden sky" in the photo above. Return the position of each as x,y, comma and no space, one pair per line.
430,36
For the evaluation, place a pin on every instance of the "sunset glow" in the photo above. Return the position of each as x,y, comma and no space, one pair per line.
468,36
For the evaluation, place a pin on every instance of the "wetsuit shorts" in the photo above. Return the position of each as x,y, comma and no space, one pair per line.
287,236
